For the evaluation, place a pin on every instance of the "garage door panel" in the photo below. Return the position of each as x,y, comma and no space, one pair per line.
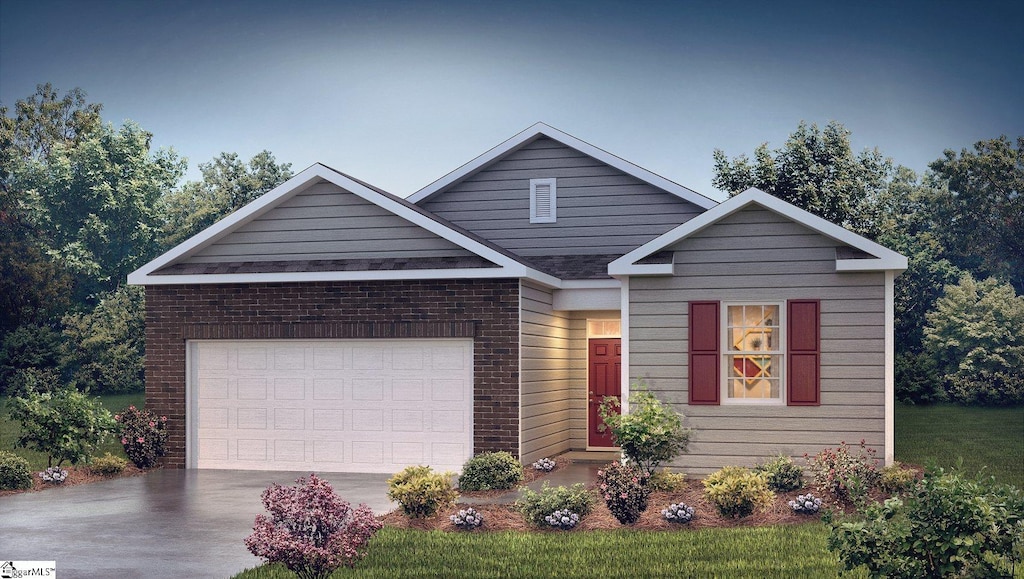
331,405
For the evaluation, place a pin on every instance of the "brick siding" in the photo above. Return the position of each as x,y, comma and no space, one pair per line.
486,310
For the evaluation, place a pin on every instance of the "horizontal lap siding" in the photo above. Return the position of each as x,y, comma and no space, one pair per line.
755,256
600,209
546,357
327,222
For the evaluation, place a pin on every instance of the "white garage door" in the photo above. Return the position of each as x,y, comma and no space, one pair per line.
330,405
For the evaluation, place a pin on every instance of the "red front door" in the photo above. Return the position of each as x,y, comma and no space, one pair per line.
605,363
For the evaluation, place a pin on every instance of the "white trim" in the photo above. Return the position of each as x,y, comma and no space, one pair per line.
191,407
885,259
519,366
624,331
723,326
541,129
507,266
552,186
591,283
890,372
585,299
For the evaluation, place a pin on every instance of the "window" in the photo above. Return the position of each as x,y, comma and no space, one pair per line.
753,353
543,200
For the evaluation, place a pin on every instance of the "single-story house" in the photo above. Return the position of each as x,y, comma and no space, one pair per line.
332,326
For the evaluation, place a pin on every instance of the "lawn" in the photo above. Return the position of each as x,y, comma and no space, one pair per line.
9,429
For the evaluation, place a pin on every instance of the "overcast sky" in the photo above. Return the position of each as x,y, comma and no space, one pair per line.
400,93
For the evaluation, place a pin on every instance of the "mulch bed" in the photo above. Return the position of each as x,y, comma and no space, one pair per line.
77,475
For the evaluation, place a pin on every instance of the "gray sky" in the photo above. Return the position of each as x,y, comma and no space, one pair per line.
400,93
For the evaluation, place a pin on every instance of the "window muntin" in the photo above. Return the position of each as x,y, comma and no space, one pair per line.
753,353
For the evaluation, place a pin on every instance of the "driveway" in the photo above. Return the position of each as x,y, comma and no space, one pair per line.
168,523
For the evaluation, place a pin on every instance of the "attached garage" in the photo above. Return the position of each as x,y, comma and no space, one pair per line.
330,405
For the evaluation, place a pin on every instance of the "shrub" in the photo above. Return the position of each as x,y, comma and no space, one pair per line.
143,435
544,464
467,519
536,506
311,530
29,356
421,492
14,472
108,464
805,504
782,475
947,526
845,474
564,520
650,434
737,491
625,491
65,425
109,342
665,481
54,475
895,478
490,470
678,513
917,379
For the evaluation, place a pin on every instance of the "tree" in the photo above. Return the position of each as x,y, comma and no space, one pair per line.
45,119
815,170
228,184
108,343
981,208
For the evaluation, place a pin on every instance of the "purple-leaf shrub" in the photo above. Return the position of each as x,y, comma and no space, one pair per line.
311,530
625,490
143,436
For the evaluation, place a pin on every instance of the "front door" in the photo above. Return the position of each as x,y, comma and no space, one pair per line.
604,361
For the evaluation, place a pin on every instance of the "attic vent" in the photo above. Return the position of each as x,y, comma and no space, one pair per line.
542,200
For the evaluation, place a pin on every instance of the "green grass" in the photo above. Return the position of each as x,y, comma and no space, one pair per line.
9,429
763,553
983,438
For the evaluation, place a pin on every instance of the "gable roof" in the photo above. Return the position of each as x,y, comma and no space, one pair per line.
869,256
505,263
541,129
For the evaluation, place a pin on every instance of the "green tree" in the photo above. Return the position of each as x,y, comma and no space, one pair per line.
228,184
30,359
980,207
815,170
107,346
65,424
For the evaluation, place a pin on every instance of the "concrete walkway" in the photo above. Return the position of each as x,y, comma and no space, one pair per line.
168,523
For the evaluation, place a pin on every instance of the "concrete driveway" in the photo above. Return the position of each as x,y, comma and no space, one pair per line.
168,523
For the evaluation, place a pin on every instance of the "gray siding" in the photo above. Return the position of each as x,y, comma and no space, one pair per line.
546,355
756,256
327,222
600,209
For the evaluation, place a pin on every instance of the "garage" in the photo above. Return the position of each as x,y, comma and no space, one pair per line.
329,405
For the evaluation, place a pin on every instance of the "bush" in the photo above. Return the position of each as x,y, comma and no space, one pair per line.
54,475
29,357
947,526
490,470
625,491
544,464
421,492
65,425
143,436
564,520
536,506
844,474
650,434
895,478
737,491
467,519
108,465
782,475
805,504
109,343
917,379
14,472
311,530
668,482
678,513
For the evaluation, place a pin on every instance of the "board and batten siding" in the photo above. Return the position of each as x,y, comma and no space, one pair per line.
327,222
600,209
756,256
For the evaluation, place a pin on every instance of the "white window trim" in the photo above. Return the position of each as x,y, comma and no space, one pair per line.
723,324
550,182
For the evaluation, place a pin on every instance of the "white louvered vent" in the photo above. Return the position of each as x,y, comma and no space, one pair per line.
543,200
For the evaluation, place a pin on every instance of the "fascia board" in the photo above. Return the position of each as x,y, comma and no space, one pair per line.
590,283
640,269
871,264
314,276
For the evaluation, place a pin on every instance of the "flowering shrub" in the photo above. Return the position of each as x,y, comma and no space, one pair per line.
537,506
845,473
421,492
737,491
311,530
544,464
678,513
782,475
467,519
564,520
14,472
895,478
143,436
490,470
108,464
54,475
805,504
625,491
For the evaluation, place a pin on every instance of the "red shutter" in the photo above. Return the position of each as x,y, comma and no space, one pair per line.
803,356
704,353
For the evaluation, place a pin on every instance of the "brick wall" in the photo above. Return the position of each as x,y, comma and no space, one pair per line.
486,310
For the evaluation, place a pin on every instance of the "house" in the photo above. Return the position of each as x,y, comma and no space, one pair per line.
332,326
